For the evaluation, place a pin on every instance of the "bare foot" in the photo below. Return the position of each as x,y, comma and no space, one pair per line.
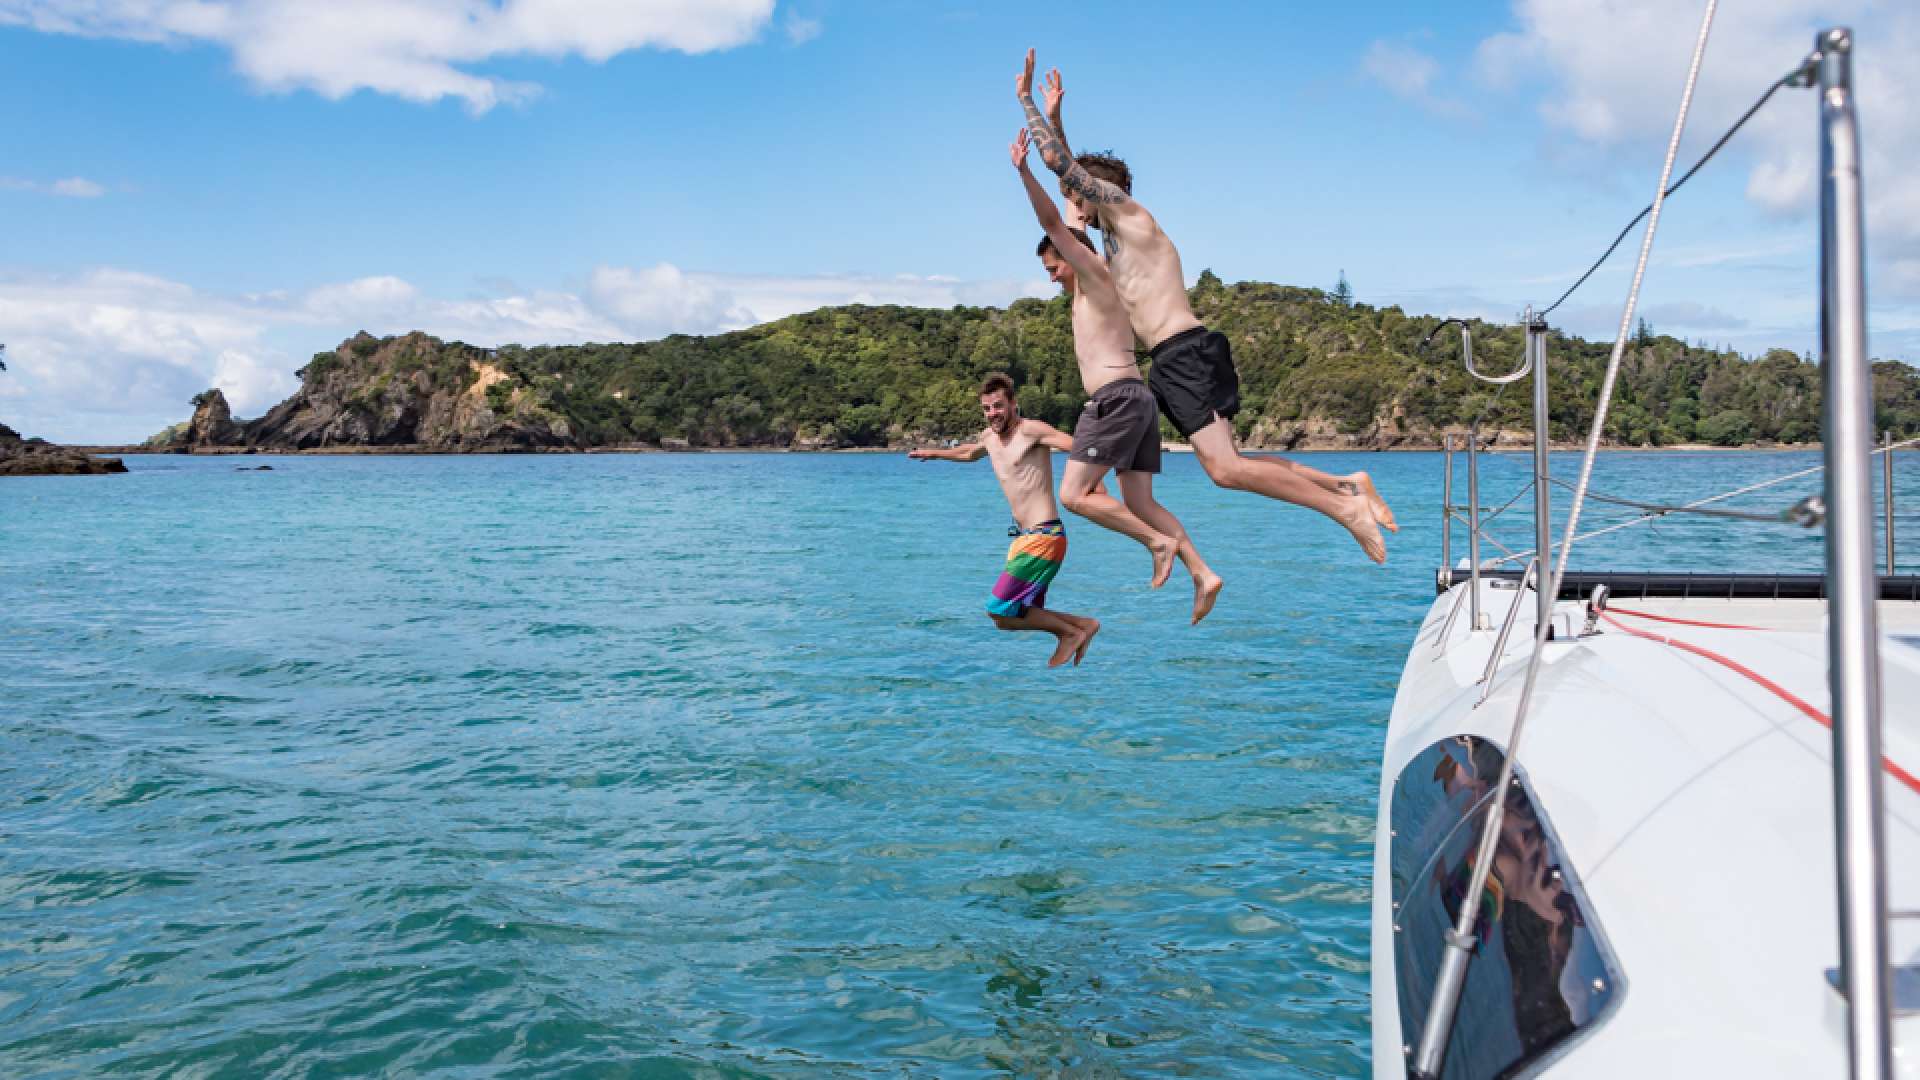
1205,591
1163,554
1357,515
1069,641
1362,485
1092,627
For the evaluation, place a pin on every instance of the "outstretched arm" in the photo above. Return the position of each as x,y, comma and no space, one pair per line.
1053,147
1049,436
1054,439
967,452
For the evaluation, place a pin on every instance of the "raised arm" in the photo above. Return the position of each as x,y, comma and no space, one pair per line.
1053,147
1050,96
1078,255
967,452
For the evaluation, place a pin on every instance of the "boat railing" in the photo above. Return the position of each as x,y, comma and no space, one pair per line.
1533,363
1850,585
1477,518
1527,577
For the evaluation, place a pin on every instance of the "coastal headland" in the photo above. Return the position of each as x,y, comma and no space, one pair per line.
1317,373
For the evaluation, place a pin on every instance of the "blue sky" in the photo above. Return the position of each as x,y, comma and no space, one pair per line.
207,193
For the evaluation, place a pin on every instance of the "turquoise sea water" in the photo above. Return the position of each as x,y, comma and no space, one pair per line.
703,765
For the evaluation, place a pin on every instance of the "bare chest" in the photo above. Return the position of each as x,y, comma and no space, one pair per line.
1020,462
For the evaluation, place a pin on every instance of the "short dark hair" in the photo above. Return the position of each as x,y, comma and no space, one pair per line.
1109,168
997,383
1046,242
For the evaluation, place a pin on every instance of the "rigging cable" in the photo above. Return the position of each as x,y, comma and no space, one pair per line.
1430,1056
1799,76
1692,506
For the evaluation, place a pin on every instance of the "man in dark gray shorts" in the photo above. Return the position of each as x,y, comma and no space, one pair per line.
1193,373
1119,428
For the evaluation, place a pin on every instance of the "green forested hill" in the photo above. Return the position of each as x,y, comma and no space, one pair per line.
1314,372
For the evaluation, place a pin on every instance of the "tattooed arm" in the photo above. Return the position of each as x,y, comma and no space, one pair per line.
1053,147
1050,97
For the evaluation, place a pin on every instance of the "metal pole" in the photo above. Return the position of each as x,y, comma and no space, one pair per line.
1887,471
1473,525
1506,628
1542,486
1446,515
1853,635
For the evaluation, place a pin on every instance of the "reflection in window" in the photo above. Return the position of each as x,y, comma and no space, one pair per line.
1541,971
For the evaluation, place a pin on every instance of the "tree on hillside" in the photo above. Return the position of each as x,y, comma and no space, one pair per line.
1343,292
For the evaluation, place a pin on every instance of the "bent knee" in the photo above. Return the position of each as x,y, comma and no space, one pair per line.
1234,473
1076,502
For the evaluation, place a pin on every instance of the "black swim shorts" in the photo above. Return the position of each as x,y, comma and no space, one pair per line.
1119,428
1193,379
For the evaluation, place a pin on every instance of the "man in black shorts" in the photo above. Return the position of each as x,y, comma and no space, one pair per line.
1119,428
1193,376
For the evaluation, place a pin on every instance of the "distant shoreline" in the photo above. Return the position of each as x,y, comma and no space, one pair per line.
1172,448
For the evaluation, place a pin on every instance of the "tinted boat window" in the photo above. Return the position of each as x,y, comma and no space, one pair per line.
1541,973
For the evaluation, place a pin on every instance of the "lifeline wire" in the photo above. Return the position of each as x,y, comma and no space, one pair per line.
1692,506
1791,78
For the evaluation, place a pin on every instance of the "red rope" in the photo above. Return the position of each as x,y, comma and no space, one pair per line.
1682,622
1779,691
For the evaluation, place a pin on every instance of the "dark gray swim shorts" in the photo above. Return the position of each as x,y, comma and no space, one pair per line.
1119,428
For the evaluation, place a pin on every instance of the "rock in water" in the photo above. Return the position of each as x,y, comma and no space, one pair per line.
212,423
38,457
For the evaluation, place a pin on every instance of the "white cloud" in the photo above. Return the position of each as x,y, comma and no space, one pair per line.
112,356
801,29
1405,71
73,187
78,187
1613,69
1409,74
419,50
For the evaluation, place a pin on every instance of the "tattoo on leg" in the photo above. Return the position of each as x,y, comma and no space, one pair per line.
1349,487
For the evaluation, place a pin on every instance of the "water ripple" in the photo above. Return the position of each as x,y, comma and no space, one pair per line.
655,766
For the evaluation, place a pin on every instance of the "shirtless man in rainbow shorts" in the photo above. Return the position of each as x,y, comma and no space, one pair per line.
1021,450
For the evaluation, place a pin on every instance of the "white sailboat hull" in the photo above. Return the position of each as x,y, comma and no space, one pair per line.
1693,813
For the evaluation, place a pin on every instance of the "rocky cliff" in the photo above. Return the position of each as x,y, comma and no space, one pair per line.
212,423
412,391
38,457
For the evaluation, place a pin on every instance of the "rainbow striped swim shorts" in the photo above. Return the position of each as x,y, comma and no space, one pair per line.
1033,559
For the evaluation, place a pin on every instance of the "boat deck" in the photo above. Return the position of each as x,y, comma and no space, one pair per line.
1694,806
